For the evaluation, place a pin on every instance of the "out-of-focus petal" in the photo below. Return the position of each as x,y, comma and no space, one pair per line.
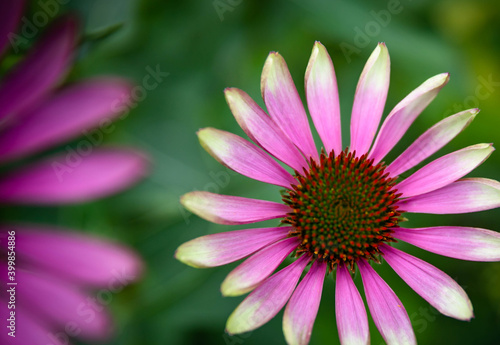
323,98
66,115
473,244
10,14
267,300
225,247
284,104
243,157
369,101
227,209
74,177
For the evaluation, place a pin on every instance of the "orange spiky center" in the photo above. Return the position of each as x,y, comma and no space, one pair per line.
343,208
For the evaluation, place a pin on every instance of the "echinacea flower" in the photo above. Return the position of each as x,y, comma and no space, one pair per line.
57,272
342,208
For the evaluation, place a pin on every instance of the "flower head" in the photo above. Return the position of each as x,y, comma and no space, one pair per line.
342,207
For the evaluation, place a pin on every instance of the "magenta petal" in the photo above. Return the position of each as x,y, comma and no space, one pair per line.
386,309
302,308
473,244
226,209
73,178
68,114
100,263
267,300
38,73
10,14
258,267
463,196
284,104
436,287
225,247
352,321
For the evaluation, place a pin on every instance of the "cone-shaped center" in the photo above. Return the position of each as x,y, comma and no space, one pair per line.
343,208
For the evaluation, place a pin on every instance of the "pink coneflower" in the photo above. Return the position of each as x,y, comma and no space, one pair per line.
55,271
342,208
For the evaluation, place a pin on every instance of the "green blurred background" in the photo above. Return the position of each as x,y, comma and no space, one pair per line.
206,46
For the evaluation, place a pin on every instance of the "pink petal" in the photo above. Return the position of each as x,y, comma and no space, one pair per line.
226,209
258,267
10,15
86,260
37,74
68,114
387,311
223,248
73,177
302,308
369,101
473,244
403,115
262,130
323,98
243,157
436,287
463,196
284,104
267,300
445,170
431,141
352,321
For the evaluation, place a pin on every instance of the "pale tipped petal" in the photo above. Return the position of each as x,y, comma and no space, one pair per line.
226,209
284,104
386,309
258,267
369,101
267,300
302,308
436,287
463,196
352,321
431,141
262,130
243,157
222,248
323,98
472,244
403,115
444,170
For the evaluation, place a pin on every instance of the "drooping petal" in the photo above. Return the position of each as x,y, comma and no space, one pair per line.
369,101
10,14
473,244
323,98
284,104
267,300
431,141
68,114
445,170
463,196
222,248
386,309
302,308
258,267
352,321
403,115
38,73
262,130
243,157
90,261
226,209
74,178
436,287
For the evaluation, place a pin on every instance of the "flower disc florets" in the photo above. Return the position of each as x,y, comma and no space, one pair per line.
343,208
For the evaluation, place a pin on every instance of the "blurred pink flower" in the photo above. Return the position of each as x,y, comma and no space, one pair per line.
55,270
